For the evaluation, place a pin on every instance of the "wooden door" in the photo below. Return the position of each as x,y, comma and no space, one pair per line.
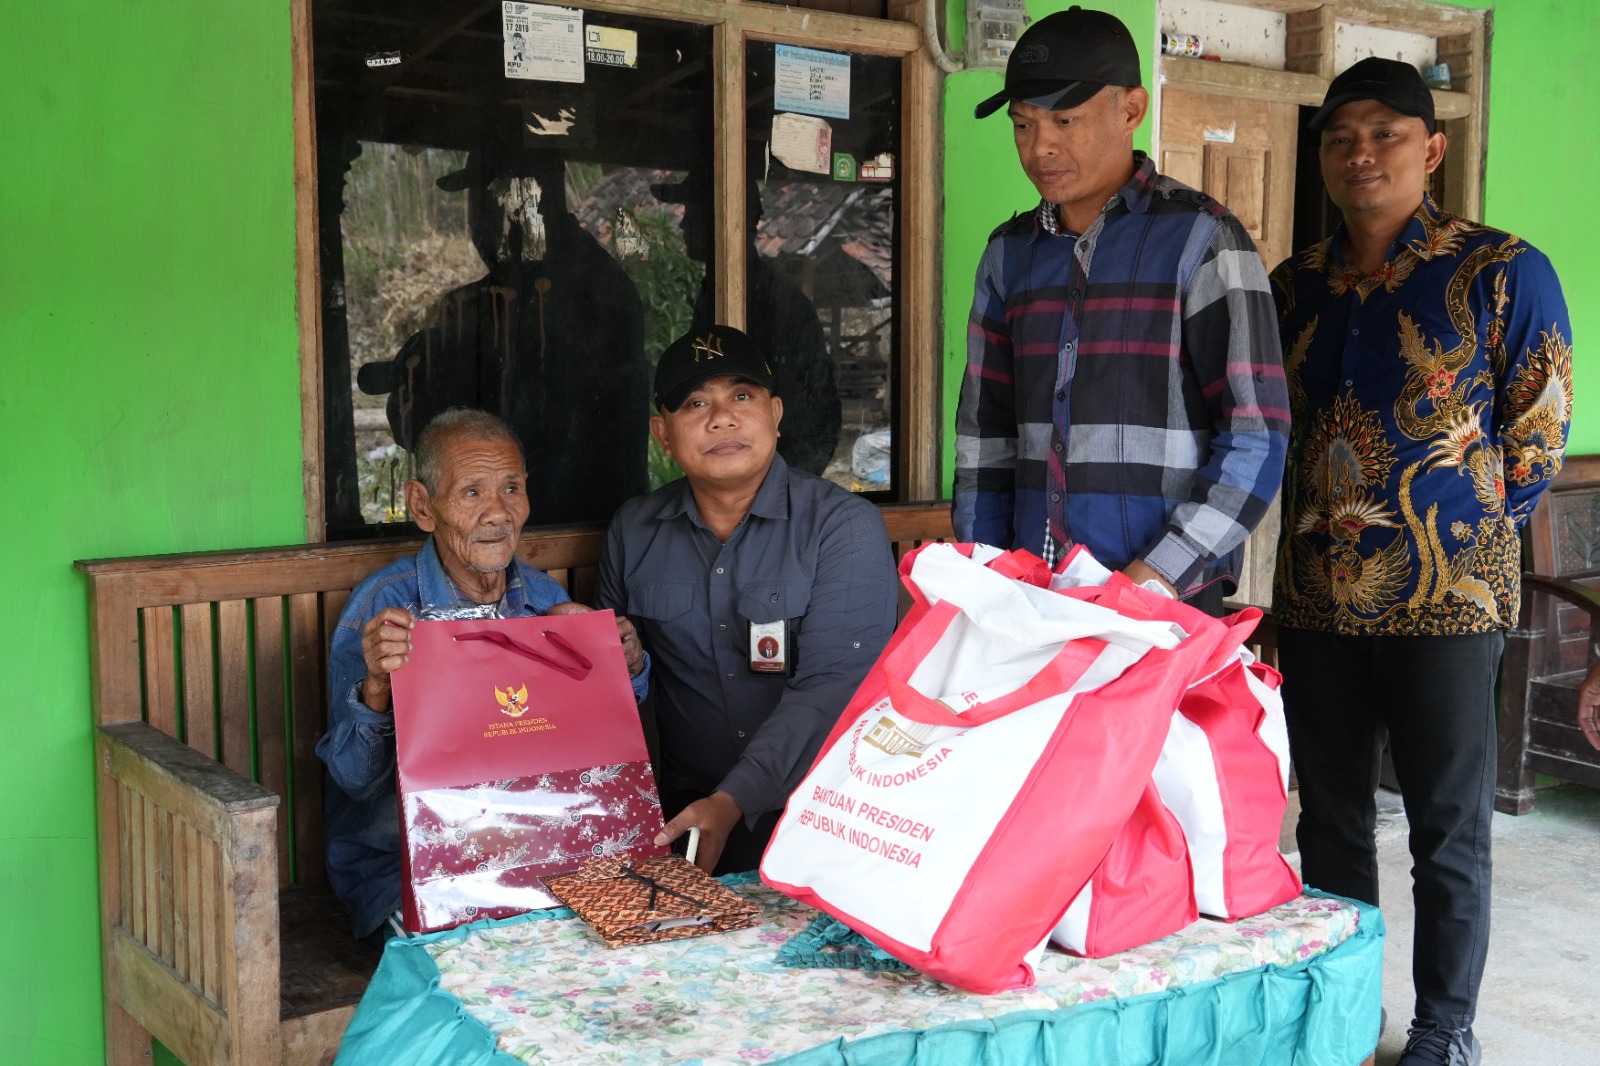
1242,151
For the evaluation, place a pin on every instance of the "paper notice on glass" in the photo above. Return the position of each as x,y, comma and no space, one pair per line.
542,42
812,82
607,46
803,143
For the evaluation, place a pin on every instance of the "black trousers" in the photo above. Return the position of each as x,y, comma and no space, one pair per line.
1434,699
745,845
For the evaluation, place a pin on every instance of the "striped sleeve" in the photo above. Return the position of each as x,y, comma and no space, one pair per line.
986,418
1230,335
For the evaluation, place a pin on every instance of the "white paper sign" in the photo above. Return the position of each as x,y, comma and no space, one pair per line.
542,42
812,82
802,142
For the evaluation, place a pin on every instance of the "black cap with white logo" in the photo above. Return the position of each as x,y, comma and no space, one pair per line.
699,356
1065,58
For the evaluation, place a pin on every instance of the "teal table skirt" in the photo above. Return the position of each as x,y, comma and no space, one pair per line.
1298,986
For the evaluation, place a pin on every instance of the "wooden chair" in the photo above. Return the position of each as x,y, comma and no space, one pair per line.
219,935
1555,640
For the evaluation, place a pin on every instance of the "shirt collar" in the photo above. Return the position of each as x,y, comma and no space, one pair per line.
1135,195
1414,235
436,591
772,498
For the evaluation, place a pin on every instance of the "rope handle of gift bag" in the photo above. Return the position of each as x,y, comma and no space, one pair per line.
578,669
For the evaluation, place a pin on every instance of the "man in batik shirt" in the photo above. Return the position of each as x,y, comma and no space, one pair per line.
1430,382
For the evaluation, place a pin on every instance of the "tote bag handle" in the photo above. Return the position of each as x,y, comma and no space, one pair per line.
578,669
1058,675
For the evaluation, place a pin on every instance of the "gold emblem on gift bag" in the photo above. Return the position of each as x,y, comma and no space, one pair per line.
513,701
892,739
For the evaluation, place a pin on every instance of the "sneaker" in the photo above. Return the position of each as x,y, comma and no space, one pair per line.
1430,1045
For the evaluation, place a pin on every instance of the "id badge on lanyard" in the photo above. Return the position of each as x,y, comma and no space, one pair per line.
770,649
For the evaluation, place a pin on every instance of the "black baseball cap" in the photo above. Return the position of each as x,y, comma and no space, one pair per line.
1065,58
700,355
1394,84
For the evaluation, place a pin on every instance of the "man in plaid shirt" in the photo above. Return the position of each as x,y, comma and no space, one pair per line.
1124,385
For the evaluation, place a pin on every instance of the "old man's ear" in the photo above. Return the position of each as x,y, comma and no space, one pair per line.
419,505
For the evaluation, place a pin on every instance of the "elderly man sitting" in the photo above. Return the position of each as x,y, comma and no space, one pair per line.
471,497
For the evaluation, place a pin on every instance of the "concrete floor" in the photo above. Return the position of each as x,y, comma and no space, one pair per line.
1540,1002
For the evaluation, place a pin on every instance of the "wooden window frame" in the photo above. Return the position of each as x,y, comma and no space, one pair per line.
1463,42
733,22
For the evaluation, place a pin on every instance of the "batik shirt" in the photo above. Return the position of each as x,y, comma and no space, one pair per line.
1430,405
1124,387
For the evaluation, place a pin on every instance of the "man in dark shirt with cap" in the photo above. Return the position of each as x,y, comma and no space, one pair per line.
1124,388
762,594
1430,375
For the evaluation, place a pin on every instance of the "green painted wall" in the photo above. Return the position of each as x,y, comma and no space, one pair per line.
148,366
1541,76
1543,92
148,400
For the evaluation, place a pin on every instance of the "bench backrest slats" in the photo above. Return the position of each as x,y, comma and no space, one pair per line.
199,680
227,652
234,664
270,711
308,718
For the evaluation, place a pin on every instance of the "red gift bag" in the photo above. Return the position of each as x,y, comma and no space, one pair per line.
520,754
1224,768
1141,891
984,768
1224,774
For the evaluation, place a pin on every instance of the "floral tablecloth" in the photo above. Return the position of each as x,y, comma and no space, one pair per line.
545,991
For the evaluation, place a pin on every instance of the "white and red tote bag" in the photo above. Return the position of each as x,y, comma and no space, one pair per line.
983,769
1142,890
1224,774
1224,769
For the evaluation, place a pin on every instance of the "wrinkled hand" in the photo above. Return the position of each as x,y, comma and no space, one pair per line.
631,646
1139,572
1589,706
632,650
385,645
716,815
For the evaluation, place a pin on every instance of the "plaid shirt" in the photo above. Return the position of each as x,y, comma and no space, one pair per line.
1124,388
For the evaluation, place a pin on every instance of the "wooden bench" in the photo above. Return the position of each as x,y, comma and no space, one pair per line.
1554,642
219,936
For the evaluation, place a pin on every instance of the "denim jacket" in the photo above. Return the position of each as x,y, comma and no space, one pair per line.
361,821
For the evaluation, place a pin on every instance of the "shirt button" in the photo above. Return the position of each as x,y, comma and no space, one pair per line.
1062,395
856,644
1058,446
719,569
730,677
1355,333
1068,348
723,628
1055,497
741,732
1349,383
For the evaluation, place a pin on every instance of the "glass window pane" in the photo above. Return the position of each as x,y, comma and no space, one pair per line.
821,290
496,242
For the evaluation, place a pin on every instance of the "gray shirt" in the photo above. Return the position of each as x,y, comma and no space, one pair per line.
809,552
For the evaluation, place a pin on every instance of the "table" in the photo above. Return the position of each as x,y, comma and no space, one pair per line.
1298,985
